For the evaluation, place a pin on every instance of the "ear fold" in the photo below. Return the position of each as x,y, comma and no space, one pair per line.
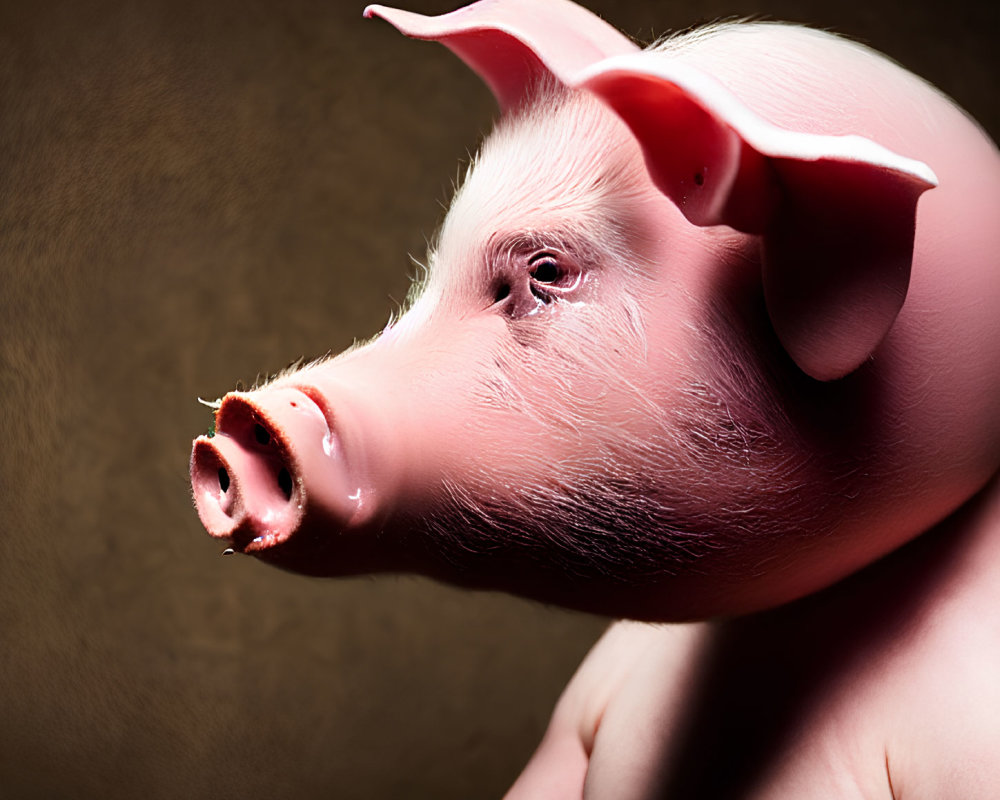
837,213
511,43
836,260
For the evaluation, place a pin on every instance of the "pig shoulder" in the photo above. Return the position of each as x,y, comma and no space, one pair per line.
881,686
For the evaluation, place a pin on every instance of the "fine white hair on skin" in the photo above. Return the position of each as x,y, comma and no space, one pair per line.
740,53
665,479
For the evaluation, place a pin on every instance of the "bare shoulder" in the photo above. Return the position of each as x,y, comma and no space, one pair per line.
884,685
613,718
947,736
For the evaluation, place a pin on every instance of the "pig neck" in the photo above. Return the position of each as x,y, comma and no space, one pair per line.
908,635
954,568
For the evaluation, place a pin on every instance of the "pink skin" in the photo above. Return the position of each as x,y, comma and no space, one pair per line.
881,686
662,366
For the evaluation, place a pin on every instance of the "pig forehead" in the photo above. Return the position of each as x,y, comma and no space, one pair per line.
564,163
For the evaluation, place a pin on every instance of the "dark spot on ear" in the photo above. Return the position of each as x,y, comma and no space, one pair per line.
699,178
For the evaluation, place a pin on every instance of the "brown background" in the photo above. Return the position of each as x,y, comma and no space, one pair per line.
192,194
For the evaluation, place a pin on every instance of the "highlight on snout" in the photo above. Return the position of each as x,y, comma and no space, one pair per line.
273,455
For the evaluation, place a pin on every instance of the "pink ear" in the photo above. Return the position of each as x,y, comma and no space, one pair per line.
511,43
837,213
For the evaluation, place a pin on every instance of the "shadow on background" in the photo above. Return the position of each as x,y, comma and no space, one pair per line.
192,195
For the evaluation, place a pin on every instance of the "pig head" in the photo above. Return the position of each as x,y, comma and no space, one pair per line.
707,327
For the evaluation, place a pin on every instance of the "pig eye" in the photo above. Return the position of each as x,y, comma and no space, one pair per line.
544,269
549,274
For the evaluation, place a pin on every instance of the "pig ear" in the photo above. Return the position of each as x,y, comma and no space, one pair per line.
837,213
511,43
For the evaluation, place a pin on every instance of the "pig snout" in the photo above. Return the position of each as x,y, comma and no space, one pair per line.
274,460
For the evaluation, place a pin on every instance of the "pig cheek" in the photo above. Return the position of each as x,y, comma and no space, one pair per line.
589,369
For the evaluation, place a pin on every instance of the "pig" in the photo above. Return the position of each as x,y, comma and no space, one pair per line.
708,339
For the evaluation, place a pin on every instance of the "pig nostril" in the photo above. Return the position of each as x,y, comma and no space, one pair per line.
223,479
261,434
285,482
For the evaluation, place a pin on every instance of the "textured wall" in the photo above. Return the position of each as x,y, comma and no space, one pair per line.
192,194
